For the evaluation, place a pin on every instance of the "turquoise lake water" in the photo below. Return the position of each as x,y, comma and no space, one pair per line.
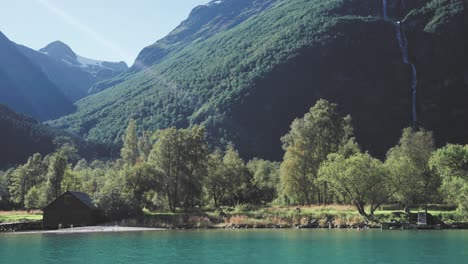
239,246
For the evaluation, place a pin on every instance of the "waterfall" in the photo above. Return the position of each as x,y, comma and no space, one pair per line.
414,91
385,13
403,43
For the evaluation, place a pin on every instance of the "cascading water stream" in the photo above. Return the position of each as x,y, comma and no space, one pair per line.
385,12
403,43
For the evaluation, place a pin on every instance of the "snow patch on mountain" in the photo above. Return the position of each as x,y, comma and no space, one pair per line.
86,62
215,3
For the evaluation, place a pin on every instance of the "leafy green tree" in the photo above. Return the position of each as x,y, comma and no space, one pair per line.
4,192
92,175
129,152
25,177
451,164
19,185
359,178
320,132
240,180
166,157
141,179
179,158
407,164
72,181
145,144
113,196
195,156
58,164
216,182
266,178
36,197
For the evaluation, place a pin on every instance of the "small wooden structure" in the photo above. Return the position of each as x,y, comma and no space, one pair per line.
422,218
71,209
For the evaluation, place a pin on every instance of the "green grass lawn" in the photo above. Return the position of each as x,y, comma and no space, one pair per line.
12,216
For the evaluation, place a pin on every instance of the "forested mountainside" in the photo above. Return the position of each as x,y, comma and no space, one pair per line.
25,88
74,75
21,136
204,21
245,81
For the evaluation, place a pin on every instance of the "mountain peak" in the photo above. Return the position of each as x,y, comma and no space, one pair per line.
60,51
2,35
4,38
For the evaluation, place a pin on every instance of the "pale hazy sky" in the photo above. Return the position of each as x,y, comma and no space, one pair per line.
111,30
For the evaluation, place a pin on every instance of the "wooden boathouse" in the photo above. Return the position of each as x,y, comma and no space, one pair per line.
71,209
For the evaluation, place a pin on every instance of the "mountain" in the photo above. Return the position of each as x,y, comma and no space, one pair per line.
72,73
21,136
25,88
247,69
204,21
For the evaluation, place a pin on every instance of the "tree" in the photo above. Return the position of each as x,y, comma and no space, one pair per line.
145,144
179,158
216,182
25,177
141,179
36,197
166,157
72,181
451,164
359,178
407,164
320,132
4,192
266,178
195,156
19,185
129,152
239,178
112,195
58,163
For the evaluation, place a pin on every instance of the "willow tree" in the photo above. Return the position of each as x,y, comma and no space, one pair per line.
320,132
360,179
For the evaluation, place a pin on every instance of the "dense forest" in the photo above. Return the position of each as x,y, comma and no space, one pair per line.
244,71
21,136
173,169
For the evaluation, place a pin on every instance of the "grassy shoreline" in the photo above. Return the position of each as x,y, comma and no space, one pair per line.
244,216
329,216
18,216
